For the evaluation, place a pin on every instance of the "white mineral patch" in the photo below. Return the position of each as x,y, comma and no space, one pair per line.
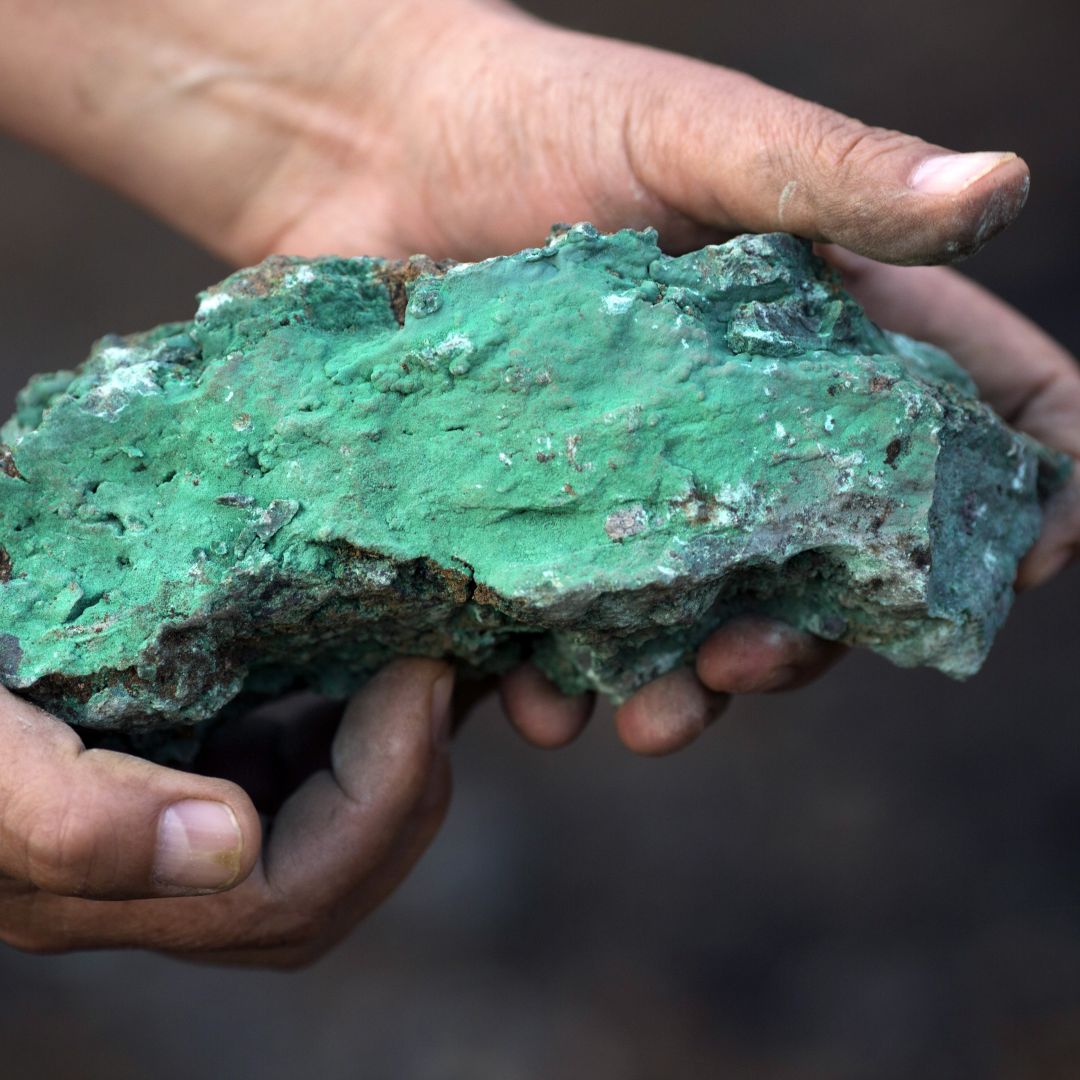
618,303
119,355
781,431
1019,481
379,573
212,302
111,396
472,267
456,345
197,570
734,494
302,275
846,461
847,464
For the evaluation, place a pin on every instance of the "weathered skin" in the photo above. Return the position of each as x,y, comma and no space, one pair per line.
590,452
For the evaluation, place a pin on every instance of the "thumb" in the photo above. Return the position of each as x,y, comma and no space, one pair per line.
103,825
723,149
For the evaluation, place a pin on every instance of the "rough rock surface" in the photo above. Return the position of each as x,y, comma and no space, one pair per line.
589,452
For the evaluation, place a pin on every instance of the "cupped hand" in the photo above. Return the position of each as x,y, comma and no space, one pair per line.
181,858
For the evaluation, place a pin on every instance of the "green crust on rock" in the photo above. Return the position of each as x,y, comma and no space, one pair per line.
590,453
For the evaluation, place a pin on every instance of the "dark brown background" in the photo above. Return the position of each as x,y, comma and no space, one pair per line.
878,877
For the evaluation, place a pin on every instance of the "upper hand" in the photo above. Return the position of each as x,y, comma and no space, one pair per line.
507,125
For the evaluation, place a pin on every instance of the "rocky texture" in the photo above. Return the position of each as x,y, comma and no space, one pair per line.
588,452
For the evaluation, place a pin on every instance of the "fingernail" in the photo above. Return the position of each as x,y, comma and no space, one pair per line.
950,174
441,693
199,845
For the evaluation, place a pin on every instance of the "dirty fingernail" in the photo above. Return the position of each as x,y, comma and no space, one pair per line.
950,174
199,845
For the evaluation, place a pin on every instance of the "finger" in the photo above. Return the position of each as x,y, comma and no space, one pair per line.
1059,542
296,936
1031,380
540,712
247,926
724,149
755,655
337,847
100,824
353,832
668,714
330,836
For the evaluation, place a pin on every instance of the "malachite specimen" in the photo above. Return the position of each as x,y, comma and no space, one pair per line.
591,453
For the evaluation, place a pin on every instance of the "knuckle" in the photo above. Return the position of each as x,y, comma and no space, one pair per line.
61,851
827,141
848,146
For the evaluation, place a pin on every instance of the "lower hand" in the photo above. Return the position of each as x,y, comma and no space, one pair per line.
182,858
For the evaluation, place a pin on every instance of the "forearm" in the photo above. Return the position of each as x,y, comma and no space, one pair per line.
189,108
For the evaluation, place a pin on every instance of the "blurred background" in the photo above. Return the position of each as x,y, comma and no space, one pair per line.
877,877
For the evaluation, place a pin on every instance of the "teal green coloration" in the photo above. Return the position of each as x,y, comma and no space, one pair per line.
590,452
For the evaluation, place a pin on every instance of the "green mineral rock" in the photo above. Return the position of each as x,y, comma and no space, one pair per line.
591,453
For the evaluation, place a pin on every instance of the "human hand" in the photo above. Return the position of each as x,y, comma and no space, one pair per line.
1026,376
572,127
180,857
464,128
